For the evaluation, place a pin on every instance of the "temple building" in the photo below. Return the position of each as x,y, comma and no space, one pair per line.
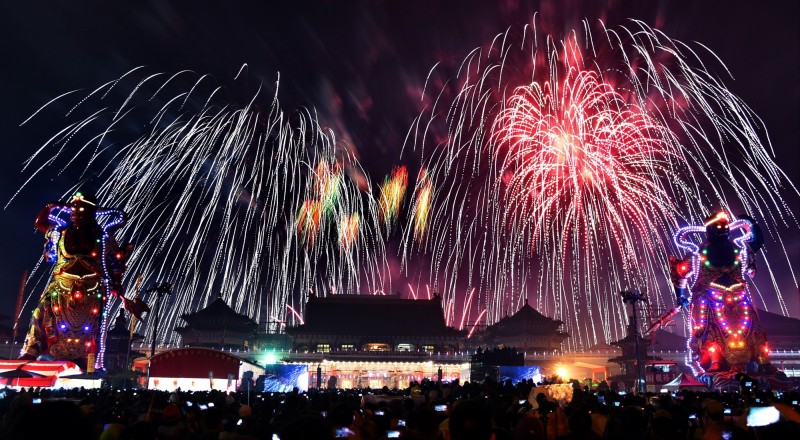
527,330
665,341
217,326
376,341
784,344
781,331
374,324
119,355
629,358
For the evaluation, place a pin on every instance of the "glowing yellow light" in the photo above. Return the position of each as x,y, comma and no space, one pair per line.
720,216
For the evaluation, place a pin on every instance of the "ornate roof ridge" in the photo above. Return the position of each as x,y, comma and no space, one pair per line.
214,311
528,313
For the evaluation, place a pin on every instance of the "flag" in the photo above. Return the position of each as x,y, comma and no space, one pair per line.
135,306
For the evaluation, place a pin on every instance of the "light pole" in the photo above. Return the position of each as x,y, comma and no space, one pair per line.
633,297
160,290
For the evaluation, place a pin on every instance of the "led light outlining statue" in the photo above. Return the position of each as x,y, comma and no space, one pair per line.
726,335
69,321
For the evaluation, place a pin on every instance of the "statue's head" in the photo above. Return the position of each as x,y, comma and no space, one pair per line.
84,207
717,225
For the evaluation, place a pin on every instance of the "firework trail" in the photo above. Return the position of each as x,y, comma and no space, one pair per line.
412,292
483,312
562,164
466,308
249,205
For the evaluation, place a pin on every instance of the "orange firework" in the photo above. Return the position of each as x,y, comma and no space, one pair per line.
422,207
308,220
393,191
348,230
327,182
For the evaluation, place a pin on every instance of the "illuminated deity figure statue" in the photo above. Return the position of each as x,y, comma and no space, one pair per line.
68,322
726,335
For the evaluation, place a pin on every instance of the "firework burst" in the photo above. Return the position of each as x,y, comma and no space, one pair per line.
562,164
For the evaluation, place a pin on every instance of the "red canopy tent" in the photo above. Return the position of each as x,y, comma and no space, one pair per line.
42,373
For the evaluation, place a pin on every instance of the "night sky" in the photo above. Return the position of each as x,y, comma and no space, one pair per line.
370,57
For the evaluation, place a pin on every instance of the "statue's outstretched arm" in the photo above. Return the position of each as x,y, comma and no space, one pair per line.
43,221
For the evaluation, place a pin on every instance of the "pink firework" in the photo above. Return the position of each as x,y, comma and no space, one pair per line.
576,158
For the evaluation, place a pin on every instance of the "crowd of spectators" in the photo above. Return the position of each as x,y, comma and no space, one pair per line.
423,411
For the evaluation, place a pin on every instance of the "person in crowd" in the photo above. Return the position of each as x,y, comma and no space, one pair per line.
481,410
470,420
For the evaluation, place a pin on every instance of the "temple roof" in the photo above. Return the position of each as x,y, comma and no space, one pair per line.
388,315
121,330
778,325
630,340
662,340
628,344
218,316
526,319
658,340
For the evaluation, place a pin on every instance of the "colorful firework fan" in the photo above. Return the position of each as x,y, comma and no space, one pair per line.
226,201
